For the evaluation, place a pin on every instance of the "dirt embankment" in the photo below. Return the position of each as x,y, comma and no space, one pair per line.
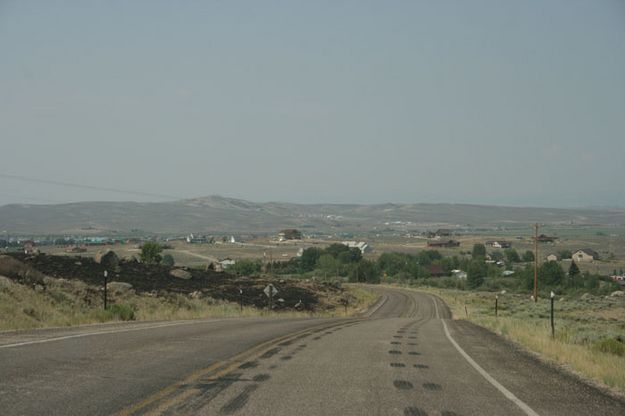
157,280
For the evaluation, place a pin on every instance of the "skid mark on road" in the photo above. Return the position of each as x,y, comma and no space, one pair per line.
403,385
261,377
395,352
414,411
239,400
270,353
398,365
432,386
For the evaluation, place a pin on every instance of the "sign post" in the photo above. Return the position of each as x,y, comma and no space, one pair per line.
270,291
241,298
106,273
496,305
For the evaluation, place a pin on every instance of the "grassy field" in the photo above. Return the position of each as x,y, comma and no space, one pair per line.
69,302
589,331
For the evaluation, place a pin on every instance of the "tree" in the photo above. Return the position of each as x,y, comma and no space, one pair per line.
328,264
565,254
168,260
479,250
574,274
336,249
551,273
528,256
496,255
365,271
310,257
151,252
512,256
352,255
426,257
475,274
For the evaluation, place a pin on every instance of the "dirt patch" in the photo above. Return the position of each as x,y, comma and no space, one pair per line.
157,280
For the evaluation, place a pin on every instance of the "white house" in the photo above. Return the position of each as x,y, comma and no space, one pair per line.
192,239
459,274
552,257
585,255
360,245
227,262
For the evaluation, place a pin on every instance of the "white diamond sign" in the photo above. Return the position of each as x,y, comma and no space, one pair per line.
270,290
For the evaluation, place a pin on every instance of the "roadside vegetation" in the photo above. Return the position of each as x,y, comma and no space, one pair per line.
63,303
34,298
589,330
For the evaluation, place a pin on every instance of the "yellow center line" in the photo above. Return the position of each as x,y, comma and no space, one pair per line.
215,371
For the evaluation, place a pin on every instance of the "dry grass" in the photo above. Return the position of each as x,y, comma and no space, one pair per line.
68,303
579,326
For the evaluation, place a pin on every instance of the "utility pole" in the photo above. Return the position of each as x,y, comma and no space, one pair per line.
553,327
271,262
536,262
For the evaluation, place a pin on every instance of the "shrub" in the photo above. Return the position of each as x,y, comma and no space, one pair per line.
151,252
168,260
614,346
117,312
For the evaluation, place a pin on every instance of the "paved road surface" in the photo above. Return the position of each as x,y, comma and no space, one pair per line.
407,358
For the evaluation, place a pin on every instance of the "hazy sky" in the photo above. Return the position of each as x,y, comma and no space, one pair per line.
494,102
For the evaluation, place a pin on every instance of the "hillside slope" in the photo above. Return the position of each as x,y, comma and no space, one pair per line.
216,214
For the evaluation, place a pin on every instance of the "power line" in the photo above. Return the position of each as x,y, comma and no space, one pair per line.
81,186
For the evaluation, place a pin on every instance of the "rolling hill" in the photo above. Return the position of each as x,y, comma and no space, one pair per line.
215,214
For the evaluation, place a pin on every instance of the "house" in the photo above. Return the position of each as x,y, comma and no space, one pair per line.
232,240
553,257
76,249
192,239
360,245
585,254
459,274
499,244
225,263
30,247
546,239
443,243
619,279
435,270
289,234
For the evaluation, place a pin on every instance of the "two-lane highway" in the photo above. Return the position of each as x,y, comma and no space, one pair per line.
407,358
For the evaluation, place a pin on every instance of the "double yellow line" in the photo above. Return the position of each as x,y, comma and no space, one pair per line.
177,393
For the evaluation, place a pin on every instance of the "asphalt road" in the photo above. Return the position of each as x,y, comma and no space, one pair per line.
406,358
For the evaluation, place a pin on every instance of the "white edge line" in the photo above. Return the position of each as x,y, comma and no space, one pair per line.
88,334
521,404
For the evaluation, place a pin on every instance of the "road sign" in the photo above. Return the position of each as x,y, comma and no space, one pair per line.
270,290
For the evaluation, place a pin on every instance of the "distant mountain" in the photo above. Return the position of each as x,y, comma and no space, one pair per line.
215,214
